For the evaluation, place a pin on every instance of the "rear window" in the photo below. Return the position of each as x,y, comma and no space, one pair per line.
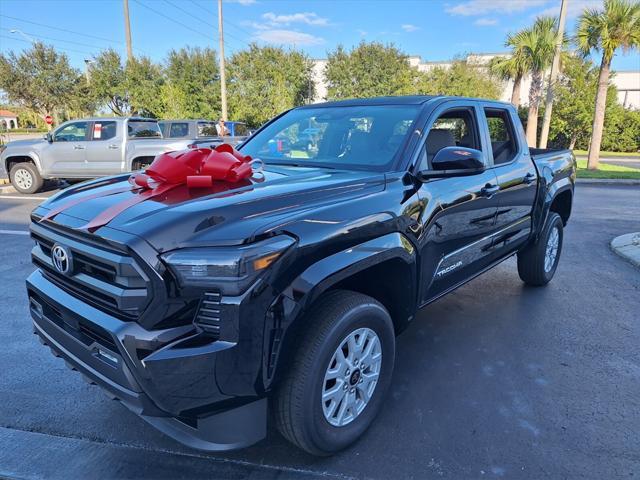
207,129
143,129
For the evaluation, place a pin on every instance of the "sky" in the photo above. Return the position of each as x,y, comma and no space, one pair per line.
433,29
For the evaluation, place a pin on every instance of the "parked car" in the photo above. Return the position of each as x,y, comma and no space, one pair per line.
188,129
204,133
200,308
87,148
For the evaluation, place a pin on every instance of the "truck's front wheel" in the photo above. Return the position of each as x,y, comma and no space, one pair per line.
339,374
25,178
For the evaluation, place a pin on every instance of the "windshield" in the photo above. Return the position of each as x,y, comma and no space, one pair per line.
358,137
144,129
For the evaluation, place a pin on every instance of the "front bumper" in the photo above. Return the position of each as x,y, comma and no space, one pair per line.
168,377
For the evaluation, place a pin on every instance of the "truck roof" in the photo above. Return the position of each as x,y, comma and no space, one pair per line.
393,100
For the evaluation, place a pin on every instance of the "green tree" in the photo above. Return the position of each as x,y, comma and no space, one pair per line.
192,87
369,70
462,79
616,26
143,82
126,89
535,45
264,81
513,67
40,79
573,106
108,78
621,127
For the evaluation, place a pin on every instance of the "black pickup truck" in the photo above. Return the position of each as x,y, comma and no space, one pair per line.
202,309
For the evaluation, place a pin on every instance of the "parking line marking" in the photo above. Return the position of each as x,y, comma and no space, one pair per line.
14,232
17,197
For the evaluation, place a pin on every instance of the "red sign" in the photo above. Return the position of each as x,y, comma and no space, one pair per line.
48,119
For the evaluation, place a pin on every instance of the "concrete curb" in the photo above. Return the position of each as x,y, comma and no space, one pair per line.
7,189
628,247
607,181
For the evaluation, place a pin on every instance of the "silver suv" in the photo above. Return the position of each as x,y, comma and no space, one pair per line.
87,148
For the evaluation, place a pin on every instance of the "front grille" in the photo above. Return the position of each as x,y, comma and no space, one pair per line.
208,314
103,277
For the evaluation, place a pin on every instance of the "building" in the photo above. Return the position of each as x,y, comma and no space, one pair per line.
626,82
8,120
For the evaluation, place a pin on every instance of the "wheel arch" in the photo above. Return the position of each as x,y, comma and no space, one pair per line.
372,268
14,159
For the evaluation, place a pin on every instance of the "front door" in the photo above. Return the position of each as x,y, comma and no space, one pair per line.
461,221
65,156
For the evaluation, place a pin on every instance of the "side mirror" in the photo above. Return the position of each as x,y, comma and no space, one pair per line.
454,162
48,137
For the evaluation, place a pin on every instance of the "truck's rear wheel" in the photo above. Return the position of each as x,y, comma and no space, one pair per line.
537,263
339,374
25,178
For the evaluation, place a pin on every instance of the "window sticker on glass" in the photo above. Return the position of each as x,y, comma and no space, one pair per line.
97,130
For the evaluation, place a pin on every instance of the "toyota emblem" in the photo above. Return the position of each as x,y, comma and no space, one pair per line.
61,258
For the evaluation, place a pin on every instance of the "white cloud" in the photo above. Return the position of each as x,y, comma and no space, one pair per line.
244,3
486,22
363,33
289,37
407,27
483,7
308,18
574,8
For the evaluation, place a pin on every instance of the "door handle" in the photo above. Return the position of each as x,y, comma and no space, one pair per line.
489,190
529,178
113,147
78,147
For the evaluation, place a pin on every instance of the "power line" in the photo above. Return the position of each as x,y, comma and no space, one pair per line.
62,49
60,29
226,23
172,19
57,39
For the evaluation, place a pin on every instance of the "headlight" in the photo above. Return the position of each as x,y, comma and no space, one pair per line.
231,269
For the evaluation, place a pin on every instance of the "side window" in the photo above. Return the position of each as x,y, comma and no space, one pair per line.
74,132
179,130
454,128
501,133
104,130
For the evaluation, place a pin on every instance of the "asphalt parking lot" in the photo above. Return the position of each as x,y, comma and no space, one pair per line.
494,380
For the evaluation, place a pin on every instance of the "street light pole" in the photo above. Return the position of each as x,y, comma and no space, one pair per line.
223,80
555,66
20,32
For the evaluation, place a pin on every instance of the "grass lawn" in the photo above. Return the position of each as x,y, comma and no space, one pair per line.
584,153
607,171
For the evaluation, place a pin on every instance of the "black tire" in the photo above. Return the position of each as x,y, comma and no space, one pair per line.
531,260
297,404
25,178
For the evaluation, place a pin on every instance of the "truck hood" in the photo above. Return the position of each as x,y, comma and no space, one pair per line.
227,214
25,143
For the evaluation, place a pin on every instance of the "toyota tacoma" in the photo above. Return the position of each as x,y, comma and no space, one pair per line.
204,309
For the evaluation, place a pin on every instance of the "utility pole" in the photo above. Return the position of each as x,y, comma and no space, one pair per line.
223,80
127,30
555,66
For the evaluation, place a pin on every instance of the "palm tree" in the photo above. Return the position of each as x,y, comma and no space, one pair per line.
513,68
616,26
535,47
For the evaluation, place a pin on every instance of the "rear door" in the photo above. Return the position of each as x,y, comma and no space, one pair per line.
65,156
461,226
105,148
516,174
